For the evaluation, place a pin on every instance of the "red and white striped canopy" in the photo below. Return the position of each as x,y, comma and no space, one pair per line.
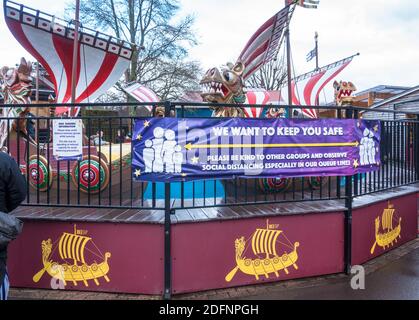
264,44
307,87
142,94
102,59
255,97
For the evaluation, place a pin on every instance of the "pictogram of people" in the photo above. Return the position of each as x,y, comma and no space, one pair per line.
158,147
148,156
162,153
371,148
367,148
169,150
178,159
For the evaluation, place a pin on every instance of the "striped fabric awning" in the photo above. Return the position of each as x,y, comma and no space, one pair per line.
142,94
102,59
307,87
255,97
264,44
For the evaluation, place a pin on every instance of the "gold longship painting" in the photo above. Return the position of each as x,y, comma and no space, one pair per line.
73,249
272,252
387,234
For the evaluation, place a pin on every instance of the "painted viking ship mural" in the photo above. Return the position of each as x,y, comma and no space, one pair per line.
73,249
387,233
272,252
101,62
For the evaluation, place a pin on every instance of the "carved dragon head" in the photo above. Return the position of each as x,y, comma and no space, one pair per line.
16,85
343,92
240,245
224,85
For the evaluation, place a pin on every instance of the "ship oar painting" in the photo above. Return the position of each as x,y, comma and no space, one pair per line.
389,234
268,260
71,249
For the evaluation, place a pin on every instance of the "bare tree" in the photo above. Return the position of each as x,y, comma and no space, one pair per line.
170,80
271,76
160,41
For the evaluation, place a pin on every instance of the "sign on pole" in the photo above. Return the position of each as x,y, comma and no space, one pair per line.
68,139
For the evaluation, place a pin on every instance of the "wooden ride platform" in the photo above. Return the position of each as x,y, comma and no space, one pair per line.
205,213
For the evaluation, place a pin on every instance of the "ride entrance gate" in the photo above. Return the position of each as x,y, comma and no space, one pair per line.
90,226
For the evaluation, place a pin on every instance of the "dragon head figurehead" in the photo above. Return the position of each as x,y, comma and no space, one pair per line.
343,92
16,85
224,85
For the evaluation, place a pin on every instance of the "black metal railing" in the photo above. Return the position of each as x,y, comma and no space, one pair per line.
103,179
68,183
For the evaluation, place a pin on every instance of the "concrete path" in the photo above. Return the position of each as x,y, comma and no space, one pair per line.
399,279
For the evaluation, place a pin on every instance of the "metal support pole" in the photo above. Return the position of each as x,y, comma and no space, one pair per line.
37,87
288,113
316,40
348,215
416,147
167,230
75,55
316,37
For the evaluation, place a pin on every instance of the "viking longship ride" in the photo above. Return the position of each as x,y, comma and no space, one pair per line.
388,234
72,248
227,85
102,60
272,250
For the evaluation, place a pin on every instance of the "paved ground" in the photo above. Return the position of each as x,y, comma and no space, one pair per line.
394,275
399,279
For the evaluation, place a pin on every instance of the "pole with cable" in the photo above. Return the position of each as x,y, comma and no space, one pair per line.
288,112
316,37
75,55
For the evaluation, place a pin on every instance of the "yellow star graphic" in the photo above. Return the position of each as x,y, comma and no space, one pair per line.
137,172
146,123
356,164
194,160
183,174
139,137
376,128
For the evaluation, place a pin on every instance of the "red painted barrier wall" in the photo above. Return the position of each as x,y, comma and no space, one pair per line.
364,228
204,253
135,262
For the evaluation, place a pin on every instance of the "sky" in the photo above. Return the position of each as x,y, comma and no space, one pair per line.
385,33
